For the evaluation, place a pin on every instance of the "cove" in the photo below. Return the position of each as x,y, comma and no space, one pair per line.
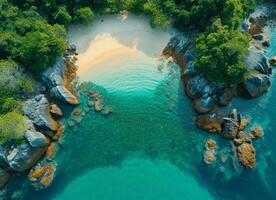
149,148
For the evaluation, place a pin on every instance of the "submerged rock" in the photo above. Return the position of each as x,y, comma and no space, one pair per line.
51,151
77,112
244,123
209,153
98,105
272,61
246,155
42,176
257,132
38,111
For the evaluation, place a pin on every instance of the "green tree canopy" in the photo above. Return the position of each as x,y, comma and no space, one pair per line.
221,52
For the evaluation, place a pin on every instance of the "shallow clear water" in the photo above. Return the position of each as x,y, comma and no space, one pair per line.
149,147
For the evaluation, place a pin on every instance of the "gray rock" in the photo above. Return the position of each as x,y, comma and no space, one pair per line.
204,104
197,87
231,124
256,85
24,156
35,139
58,78
63,94
38,111
189,72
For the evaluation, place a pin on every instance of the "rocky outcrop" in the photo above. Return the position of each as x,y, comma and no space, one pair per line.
42,175
37,110
206,95
255,85
59,77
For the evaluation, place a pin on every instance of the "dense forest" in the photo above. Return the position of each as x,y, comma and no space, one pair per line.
33,35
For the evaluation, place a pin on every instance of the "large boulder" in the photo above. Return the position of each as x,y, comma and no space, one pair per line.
204,104
210,122
36,139
189,72
58,79
197,87
23,156
255,85
38,111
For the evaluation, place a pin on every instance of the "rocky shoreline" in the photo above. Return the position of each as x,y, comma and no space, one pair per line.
35,154
208,97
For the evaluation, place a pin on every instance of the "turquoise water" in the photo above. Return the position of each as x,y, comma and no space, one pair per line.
150,149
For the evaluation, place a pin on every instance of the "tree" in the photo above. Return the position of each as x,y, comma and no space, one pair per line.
13,125
40,47
62,16
84,15
221,52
